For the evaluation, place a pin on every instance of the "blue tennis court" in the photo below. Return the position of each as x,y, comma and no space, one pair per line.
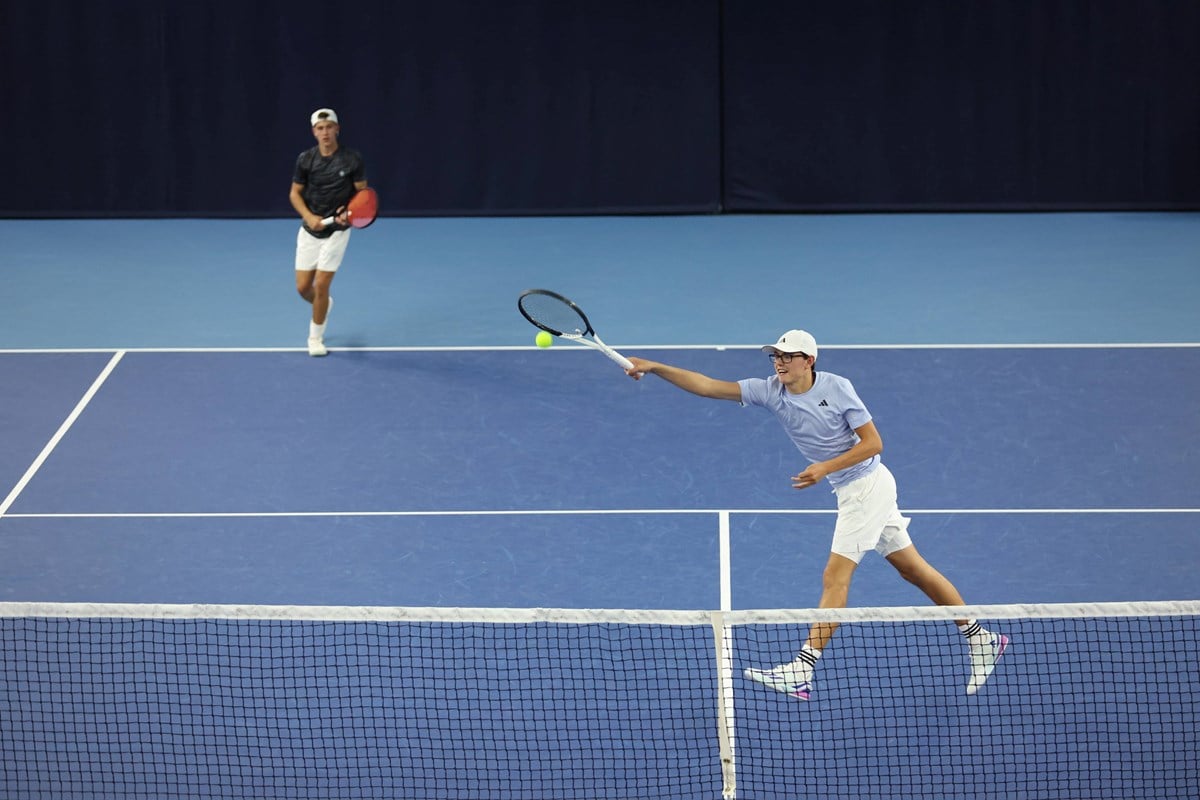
439,445
1036,380
514,478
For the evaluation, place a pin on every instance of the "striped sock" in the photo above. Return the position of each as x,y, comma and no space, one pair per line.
806,661
975,633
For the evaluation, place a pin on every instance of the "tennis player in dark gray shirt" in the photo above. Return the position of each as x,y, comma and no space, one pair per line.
324,180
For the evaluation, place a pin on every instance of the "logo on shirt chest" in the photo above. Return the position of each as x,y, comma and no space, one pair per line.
824,403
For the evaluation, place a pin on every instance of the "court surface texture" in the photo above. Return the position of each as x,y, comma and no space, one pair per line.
167,439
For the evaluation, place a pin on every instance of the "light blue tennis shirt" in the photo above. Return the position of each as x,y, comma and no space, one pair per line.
820,422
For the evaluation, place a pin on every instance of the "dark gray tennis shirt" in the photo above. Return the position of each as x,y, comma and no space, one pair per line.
328,182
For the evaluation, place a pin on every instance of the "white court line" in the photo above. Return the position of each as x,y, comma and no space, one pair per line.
62,431
726,580
492,348
572,512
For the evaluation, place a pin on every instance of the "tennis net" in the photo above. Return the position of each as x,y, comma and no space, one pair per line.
199,701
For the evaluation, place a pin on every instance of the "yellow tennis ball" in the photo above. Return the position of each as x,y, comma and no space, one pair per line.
544,339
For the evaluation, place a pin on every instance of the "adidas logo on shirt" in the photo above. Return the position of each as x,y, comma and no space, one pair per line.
824,403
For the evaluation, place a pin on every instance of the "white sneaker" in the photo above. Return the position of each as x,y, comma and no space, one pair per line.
983,660
783,678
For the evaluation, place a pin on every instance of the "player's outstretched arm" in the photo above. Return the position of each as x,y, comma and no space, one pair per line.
694,382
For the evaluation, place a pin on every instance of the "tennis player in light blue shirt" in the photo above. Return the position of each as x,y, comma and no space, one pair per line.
821,422
831,426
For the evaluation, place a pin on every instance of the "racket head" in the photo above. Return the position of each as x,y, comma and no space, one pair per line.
362,208
553,313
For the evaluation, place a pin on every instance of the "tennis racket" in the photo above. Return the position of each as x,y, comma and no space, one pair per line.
557,315
360,211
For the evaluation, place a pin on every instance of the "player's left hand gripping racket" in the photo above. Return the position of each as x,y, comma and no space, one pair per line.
555,314
360,211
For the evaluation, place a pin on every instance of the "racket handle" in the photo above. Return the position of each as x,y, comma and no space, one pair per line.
596,343
333,218
625,363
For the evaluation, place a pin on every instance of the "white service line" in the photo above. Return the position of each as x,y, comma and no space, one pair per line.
62,431
518,347
726,580
550,512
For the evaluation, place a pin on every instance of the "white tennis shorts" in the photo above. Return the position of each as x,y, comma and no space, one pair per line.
868,517
323,254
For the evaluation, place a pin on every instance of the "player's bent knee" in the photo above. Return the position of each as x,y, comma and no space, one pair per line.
915,570
837,576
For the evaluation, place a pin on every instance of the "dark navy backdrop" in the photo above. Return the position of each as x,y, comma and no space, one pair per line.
143,108
990,104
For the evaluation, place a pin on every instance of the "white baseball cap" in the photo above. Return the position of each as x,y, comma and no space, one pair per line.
324,115
795,342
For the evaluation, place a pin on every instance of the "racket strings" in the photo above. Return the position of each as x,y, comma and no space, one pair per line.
553,314
364,204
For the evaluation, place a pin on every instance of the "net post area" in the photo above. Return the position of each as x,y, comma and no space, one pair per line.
199,701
